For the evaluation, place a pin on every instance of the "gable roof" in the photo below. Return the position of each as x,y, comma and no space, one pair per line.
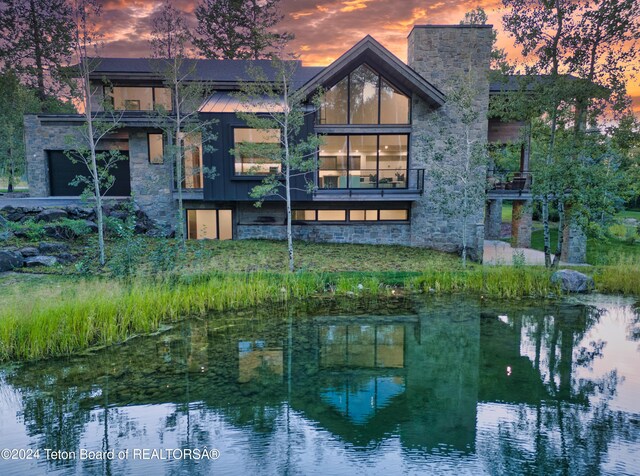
370,51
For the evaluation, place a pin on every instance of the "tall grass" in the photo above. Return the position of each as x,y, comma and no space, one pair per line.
66,317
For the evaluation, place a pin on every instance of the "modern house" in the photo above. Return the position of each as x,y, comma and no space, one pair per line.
370,184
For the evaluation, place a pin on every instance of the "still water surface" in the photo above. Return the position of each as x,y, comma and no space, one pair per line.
427,386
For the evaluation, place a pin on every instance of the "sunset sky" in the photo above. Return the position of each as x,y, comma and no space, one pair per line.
324,29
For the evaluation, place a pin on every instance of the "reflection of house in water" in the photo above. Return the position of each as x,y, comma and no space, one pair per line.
415,376
254,359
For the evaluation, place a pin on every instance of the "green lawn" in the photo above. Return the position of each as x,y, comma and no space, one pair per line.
599,252
630,214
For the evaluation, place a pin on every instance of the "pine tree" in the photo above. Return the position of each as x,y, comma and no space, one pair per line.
238,29
36,40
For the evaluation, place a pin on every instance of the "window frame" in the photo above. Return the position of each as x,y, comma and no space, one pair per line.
108,91
348,135
348,220
322,122
232,140
217,211
149,134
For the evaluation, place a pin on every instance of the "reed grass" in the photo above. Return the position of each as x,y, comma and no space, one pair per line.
80,314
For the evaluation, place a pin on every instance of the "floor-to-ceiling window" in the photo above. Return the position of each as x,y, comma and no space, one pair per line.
374,159
363,161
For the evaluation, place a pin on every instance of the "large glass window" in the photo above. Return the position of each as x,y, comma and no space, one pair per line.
133,98
256,151
364,97
209,225
394,106
363,161
354,216
156,148
192,156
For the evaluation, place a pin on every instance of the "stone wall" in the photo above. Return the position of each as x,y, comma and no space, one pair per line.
150,183
40,138
444,55
268,222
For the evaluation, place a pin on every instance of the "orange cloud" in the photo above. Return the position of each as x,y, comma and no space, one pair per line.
352,5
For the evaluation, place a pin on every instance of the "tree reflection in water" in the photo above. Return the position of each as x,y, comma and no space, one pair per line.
500,388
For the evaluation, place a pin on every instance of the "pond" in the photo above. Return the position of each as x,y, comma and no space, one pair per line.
415,386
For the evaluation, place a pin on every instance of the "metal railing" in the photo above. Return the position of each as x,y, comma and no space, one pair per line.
371,179
518,181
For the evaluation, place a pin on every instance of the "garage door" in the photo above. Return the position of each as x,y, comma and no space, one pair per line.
62,171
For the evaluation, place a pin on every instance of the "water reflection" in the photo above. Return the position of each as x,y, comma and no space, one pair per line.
428,385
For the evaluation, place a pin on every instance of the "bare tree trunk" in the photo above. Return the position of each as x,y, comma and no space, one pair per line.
545,228
11,169
289,232
178,158
561,222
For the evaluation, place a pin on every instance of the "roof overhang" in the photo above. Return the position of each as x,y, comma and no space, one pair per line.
369,51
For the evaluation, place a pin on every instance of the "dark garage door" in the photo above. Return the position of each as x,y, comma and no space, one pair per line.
62,171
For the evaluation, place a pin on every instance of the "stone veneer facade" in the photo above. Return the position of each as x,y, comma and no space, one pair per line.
440,54
150,183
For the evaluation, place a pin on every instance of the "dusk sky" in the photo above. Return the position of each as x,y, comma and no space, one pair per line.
324,29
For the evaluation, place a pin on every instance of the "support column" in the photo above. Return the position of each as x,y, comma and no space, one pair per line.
574,244
493,219
521,224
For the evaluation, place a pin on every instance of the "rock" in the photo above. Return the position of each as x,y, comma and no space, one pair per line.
118,214
572,281
51,214
28,251
66,258
40,260
45,247
5,235
10,260
16,215
91,225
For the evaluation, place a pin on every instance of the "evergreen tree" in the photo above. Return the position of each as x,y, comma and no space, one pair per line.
16,100
36,40
238,29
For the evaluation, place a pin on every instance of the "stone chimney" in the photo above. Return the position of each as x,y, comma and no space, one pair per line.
440,52
445,55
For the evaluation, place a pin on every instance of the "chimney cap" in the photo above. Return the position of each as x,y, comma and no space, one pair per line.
434,26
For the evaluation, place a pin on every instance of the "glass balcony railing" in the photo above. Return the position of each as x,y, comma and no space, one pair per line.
362,179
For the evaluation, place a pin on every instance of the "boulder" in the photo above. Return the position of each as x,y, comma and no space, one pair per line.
10,260
51,214
45,247
91,225
40,260
66,258
5,235
28,251
572,281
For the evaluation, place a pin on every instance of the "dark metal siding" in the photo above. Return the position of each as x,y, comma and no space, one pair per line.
225,185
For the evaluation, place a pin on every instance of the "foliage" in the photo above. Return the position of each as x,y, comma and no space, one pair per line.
577,55
238,29
126,253
16,100
279,107
36,41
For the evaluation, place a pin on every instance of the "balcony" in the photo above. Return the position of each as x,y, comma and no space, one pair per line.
369,184
511,186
